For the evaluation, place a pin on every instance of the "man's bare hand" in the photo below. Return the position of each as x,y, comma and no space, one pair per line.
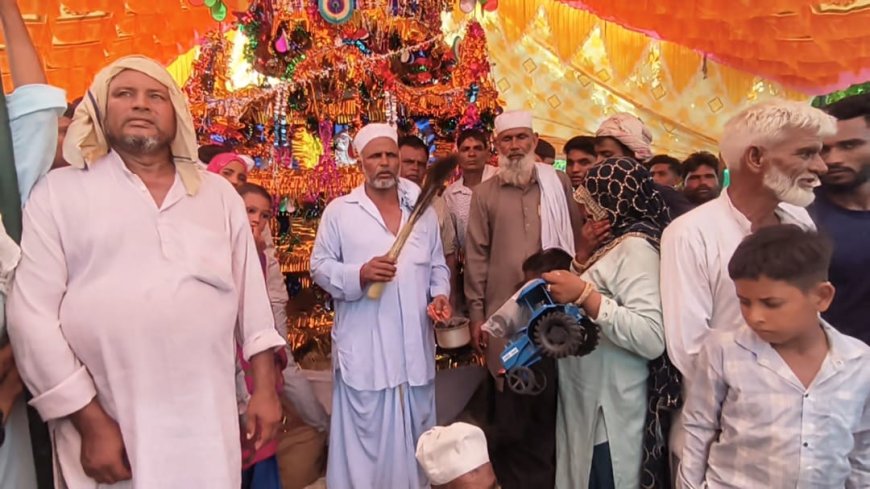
378,269
264,417
439,310
479,337
104,457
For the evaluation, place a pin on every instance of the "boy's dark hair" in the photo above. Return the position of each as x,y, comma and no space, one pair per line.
628,152
71,108
673,164
699,159
546,261
475,134
253,188
414,142
545,150
585,144
784,253
851,107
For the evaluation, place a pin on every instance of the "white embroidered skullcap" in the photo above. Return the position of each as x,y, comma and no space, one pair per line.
448,452
513,119
371,132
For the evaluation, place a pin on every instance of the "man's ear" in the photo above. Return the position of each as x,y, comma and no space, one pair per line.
753,159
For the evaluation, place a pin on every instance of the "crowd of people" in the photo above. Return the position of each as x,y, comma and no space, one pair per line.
147,311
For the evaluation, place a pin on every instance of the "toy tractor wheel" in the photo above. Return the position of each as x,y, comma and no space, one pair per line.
558,335
523,380
590,337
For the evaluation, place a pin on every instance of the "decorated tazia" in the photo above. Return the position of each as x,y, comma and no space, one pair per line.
297,81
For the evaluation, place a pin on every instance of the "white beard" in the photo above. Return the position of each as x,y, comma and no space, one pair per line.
382,183
787,189
516,172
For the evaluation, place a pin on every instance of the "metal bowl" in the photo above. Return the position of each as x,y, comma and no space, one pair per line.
453,334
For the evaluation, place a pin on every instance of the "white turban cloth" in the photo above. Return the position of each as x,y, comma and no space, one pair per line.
85,140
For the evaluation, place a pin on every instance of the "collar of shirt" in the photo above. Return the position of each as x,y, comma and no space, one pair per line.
408,193
782,211
840,351
458,187
173,196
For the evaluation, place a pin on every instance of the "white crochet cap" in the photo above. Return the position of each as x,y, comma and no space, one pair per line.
513,119
448,452
371,132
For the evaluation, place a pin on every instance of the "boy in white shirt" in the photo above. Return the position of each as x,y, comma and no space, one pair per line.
784,400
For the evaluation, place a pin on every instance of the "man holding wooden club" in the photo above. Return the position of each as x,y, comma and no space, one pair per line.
383,347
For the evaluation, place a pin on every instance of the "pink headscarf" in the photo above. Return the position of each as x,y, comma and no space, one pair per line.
220,161
630,131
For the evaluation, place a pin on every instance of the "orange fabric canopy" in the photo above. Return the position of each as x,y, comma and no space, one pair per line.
78,37
814,46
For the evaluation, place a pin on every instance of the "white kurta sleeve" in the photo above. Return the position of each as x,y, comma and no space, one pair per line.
33,113
275,285
60,383
687,299
633,318
256,325
439,282
340,279
701,415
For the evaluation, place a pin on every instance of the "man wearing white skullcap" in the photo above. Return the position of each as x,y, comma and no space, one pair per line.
527,207
456,457
383,349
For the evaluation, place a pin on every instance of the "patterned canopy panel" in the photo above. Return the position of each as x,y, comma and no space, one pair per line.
815,46
78,37
570,91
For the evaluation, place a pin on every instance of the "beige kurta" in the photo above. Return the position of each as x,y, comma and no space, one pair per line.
504,228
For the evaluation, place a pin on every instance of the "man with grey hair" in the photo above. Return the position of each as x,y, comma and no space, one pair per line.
772,150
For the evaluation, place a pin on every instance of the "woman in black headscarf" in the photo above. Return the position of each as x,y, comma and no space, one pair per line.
603,399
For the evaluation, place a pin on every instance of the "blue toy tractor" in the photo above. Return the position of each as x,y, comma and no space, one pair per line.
554,330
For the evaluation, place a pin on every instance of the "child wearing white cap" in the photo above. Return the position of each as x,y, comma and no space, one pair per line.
456,457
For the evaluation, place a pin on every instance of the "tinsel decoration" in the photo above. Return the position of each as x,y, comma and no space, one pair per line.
336,11
826,100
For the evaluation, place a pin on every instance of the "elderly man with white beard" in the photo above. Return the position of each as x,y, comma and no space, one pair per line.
773,151
528,206
383,349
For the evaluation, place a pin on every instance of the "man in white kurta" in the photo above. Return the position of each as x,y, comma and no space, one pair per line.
383,349
134,304
772,150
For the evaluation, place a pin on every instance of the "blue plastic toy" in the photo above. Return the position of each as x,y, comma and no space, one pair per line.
554,330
